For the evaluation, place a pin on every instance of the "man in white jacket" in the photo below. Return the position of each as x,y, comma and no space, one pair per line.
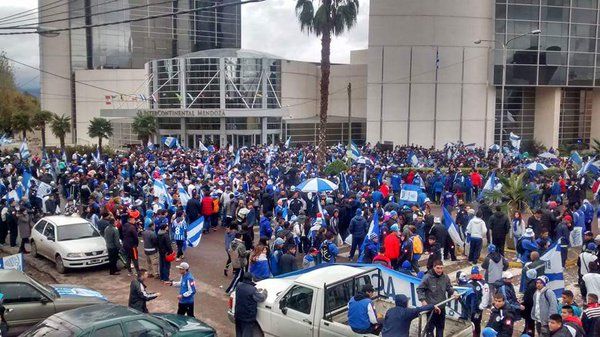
476,231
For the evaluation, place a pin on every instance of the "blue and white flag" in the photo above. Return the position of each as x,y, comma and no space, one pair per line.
22,189
409,194
589,166
171,142
96,156
4,140
418,180
201,146
160,191
183,194
452,228
373,229
515,141
490,185
24,150
344,183
576,158
288,142
554,269
352,152
576,234
150,146
413,160
231,148
14,262
194,232
236,161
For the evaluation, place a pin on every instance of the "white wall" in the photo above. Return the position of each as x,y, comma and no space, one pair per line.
90,101
299,88
405,39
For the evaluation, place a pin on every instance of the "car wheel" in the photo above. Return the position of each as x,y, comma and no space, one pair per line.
60,267
34,250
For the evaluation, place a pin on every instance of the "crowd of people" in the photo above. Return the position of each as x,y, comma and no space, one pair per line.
144,201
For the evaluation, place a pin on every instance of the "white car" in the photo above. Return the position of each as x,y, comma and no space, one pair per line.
69,241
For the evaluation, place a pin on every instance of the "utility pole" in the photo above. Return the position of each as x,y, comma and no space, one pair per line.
349,114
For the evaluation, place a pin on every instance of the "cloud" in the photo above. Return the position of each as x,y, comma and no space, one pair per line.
270,26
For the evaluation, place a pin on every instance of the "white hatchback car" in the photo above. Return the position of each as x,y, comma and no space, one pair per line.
69,241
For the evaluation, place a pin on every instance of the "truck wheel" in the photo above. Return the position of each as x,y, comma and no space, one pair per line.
257,332
34,250
60,267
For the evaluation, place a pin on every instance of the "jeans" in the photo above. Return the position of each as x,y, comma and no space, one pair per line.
113,257
164,268
475,249
356,243
185,309
3,232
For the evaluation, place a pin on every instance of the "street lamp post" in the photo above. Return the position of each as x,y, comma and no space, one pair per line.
504,57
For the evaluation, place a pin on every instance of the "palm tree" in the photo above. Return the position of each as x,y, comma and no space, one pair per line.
40,119
100,128
514,193
22,122
60,126
331,17
145,126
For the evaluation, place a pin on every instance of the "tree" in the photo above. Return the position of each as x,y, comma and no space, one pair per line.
22,122
11,100
100,128
145,126
331,17
514,193
60,126
41,119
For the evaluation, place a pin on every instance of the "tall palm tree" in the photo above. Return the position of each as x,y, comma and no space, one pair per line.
514,193
22,122
60,126
41,118
100,128
331,17
145,126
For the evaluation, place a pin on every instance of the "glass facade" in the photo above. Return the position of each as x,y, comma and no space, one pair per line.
308,133
575,117
519,113
564,54
217,27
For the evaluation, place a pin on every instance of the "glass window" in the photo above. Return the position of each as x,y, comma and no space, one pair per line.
523,42
299,299
553,75
516,27
49,231
517,74
518,12
210,123
585,3
554,43
19,293
500,26
50,328
559,14
556,2
577,59
581,76
585,45
554,29
40,226
109,331
583,16
553,58
143,328
500,11
169,123
76,232
524,57
583,30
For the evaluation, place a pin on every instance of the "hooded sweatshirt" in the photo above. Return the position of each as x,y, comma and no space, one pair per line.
397,320
494,264
476,228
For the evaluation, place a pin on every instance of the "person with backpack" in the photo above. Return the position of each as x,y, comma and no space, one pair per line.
238,261
544,305
477,300
417,248
329,251
276,254
525,245
494,264
507,290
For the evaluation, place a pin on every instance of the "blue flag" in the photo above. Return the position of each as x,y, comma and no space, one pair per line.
194,232
24,150
576,158
373,229
451,228
554,269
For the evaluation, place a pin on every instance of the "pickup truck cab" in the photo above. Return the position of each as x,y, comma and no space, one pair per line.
314,302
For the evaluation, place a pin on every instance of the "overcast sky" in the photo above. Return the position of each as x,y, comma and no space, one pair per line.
270,26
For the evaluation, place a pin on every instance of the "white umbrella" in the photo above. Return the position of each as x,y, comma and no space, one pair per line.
316,185
363,160
535,166
547,155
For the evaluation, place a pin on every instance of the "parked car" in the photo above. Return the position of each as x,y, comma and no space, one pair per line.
29,301
112,320
68,241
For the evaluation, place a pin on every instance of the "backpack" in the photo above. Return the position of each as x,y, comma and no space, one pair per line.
325,252
520,249
417,245
215,206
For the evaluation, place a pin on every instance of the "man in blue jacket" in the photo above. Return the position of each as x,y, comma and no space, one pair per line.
397,320
362,317
187,290
358,229
266,231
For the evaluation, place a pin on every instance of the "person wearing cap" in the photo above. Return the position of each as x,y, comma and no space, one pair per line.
494,264
187,290
588,237
310,259
435,287
544,305
526,244
507,289
530,289
239,255
478,299
328,250
502,317
362,317
397,320
489,332
359,227
247,297
371,249
587,256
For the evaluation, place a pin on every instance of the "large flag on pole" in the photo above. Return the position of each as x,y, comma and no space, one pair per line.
171,142
490,185
515,141
24,150
352,152
452,228
554,269
194,232
576,158
373,229
183,194
288,142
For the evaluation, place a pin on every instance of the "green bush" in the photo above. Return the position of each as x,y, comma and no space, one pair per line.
335,168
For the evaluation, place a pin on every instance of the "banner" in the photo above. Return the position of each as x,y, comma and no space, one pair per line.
410,193
43,189
14,262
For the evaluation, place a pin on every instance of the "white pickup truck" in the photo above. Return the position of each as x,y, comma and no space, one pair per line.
314,303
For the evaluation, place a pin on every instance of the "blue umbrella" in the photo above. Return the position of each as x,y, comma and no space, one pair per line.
316,185
535,166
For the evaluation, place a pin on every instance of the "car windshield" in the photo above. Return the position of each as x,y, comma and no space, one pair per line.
49,328
47,290
76,231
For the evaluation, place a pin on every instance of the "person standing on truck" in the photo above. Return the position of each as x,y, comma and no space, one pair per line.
435,288
362,317
247,298
397,320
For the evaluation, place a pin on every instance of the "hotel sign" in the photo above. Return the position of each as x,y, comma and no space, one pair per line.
184,112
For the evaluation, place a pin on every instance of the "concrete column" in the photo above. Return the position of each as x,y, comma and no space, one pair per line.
222,132
595,124
263,132
547,116
182,82
183,133
222,86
